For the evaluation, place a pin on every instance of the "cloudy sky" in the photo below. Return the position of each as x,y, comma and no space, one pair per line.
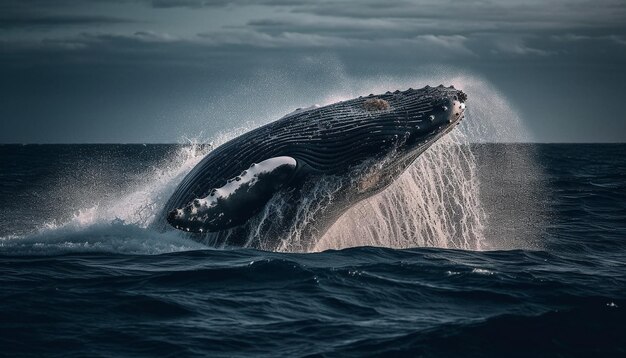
159,71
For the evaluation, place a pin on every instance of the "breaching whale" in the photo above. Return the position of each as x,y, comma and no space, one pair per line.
297,175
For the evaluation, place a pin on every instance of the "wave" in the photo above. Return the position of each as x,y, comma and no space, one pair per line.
115,237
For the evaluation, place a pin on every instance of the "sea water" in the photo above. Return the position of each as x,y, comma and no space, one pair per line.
83,274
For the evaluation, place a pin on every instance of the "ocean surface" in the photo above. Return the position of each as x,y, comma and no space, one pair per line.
82,274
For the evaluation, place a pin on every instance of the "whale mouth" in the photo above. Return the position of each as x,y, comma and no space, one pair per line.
458,107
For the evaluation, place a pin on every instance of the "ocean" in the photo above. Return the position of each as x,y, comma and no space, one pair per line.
540,273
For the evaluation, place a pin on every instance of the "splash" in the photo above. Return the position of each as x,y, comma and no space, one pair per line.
436,202
297,237
118,223
138,205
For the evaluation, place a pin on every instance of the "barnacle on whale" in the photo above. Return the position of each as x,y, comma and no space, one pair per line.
376,104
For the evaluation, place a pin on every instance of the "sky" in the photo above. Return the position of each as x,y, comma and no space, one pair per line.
162,71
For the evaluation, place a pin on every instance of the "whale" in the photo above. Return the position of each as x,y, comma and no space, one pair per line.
297,175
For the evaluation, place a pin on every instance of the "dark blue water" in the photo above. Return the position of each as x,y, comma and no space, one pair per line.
79,281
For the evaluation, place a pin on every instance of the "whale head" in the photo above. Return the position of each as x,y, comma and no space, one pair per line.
445,111
416,117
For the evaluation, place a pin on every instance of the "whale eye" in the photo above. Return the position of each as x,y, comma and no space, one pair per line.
431,118
445,108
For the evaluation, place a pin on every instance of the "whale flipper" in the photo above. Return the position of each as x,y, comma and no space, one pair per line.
238,200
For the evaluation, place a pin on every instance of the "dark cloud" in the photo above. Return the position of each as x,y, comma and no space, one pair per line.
45,21
194,4
548,14
44,15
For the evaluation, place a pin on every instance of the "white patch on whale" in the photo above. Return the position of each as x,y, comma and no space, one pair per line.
247,180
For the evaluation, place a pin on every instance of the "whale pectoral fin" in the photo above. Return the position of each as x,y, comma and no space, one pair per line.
238,200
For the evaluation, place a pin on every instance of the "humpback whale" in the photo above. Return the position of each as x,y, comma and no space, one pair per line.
297,175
